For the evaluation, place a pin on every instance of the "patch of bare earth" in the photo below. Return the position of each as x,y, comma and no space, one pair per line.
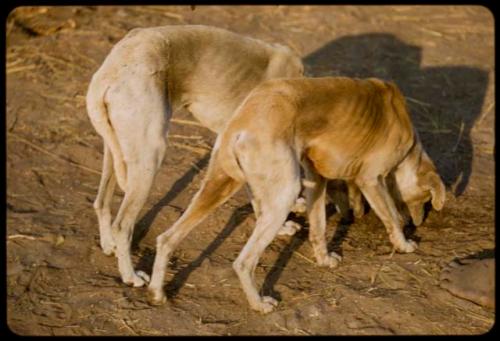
60,283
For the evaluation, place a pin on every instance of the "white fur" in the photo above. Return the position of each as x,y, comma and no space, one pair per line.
150,74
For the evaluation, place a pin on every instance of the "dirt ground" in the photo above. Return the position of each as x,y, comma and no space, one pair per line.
60,283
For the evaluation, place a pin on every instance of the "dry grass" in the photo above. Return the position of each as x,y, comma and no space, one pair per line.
186,122
11,69
197,150
37,62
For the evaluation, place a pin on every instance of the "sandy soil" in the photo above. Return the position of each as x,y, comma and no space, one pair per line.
60,283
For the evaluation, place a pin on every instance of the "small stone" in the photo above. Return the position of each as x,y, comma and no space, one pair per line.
59,240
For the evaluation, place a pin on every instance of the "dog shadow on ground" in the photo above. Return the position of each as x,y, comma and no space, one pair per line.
238,216
143,225
482,254
444,102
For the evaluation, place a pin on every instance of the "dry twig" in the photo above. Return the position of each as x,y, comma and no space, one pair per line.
20,68
454,149
418,102
59,157
197,150
21,236
304,257
484,114
194,137
186,122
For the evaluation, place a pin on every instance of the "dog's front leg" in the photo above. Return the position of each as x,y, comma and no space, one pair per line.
377,195
315,199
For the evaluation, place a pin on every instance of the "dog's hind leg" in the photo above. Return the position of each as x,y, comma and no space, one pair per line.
139,112
216,188
268,224
102,203
289,228
140,177
275,183
377,195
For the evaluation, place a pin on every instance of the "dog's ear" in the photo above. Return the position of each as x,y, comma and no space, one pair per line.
438,190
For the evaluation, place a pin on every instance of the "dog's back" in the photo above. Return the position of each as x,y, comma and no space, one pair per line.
208,70
354,126
344,126
205,69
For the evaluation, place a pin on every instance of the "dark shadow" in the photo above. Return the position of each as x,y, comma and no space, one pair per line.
146,260
444,101
409,232
238,216
337,192
340,234
143,225
483,254
284,257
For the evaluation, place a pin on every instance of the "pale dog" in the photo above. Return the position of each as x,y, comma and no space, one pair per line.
336,128
148,75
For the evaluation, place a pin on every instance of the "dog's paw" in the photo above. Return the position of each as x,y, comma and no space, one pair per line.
289,228
358,211
108,246
156,296
331,260
109,250
138,279
407,246
299,206
266,304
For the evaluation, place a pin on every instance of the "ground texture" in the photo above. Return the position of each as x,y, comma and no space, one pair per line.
60,283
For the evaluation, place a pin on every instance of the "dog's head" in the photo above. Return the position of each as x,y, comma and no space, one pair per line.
284,63
418,182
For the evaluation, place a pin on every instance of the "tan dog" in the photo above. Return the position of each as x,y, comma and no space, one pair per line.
336,128
150,74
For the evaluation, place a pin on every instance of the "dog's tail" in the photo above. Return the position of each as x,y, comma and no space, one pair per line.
228,154
98,114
